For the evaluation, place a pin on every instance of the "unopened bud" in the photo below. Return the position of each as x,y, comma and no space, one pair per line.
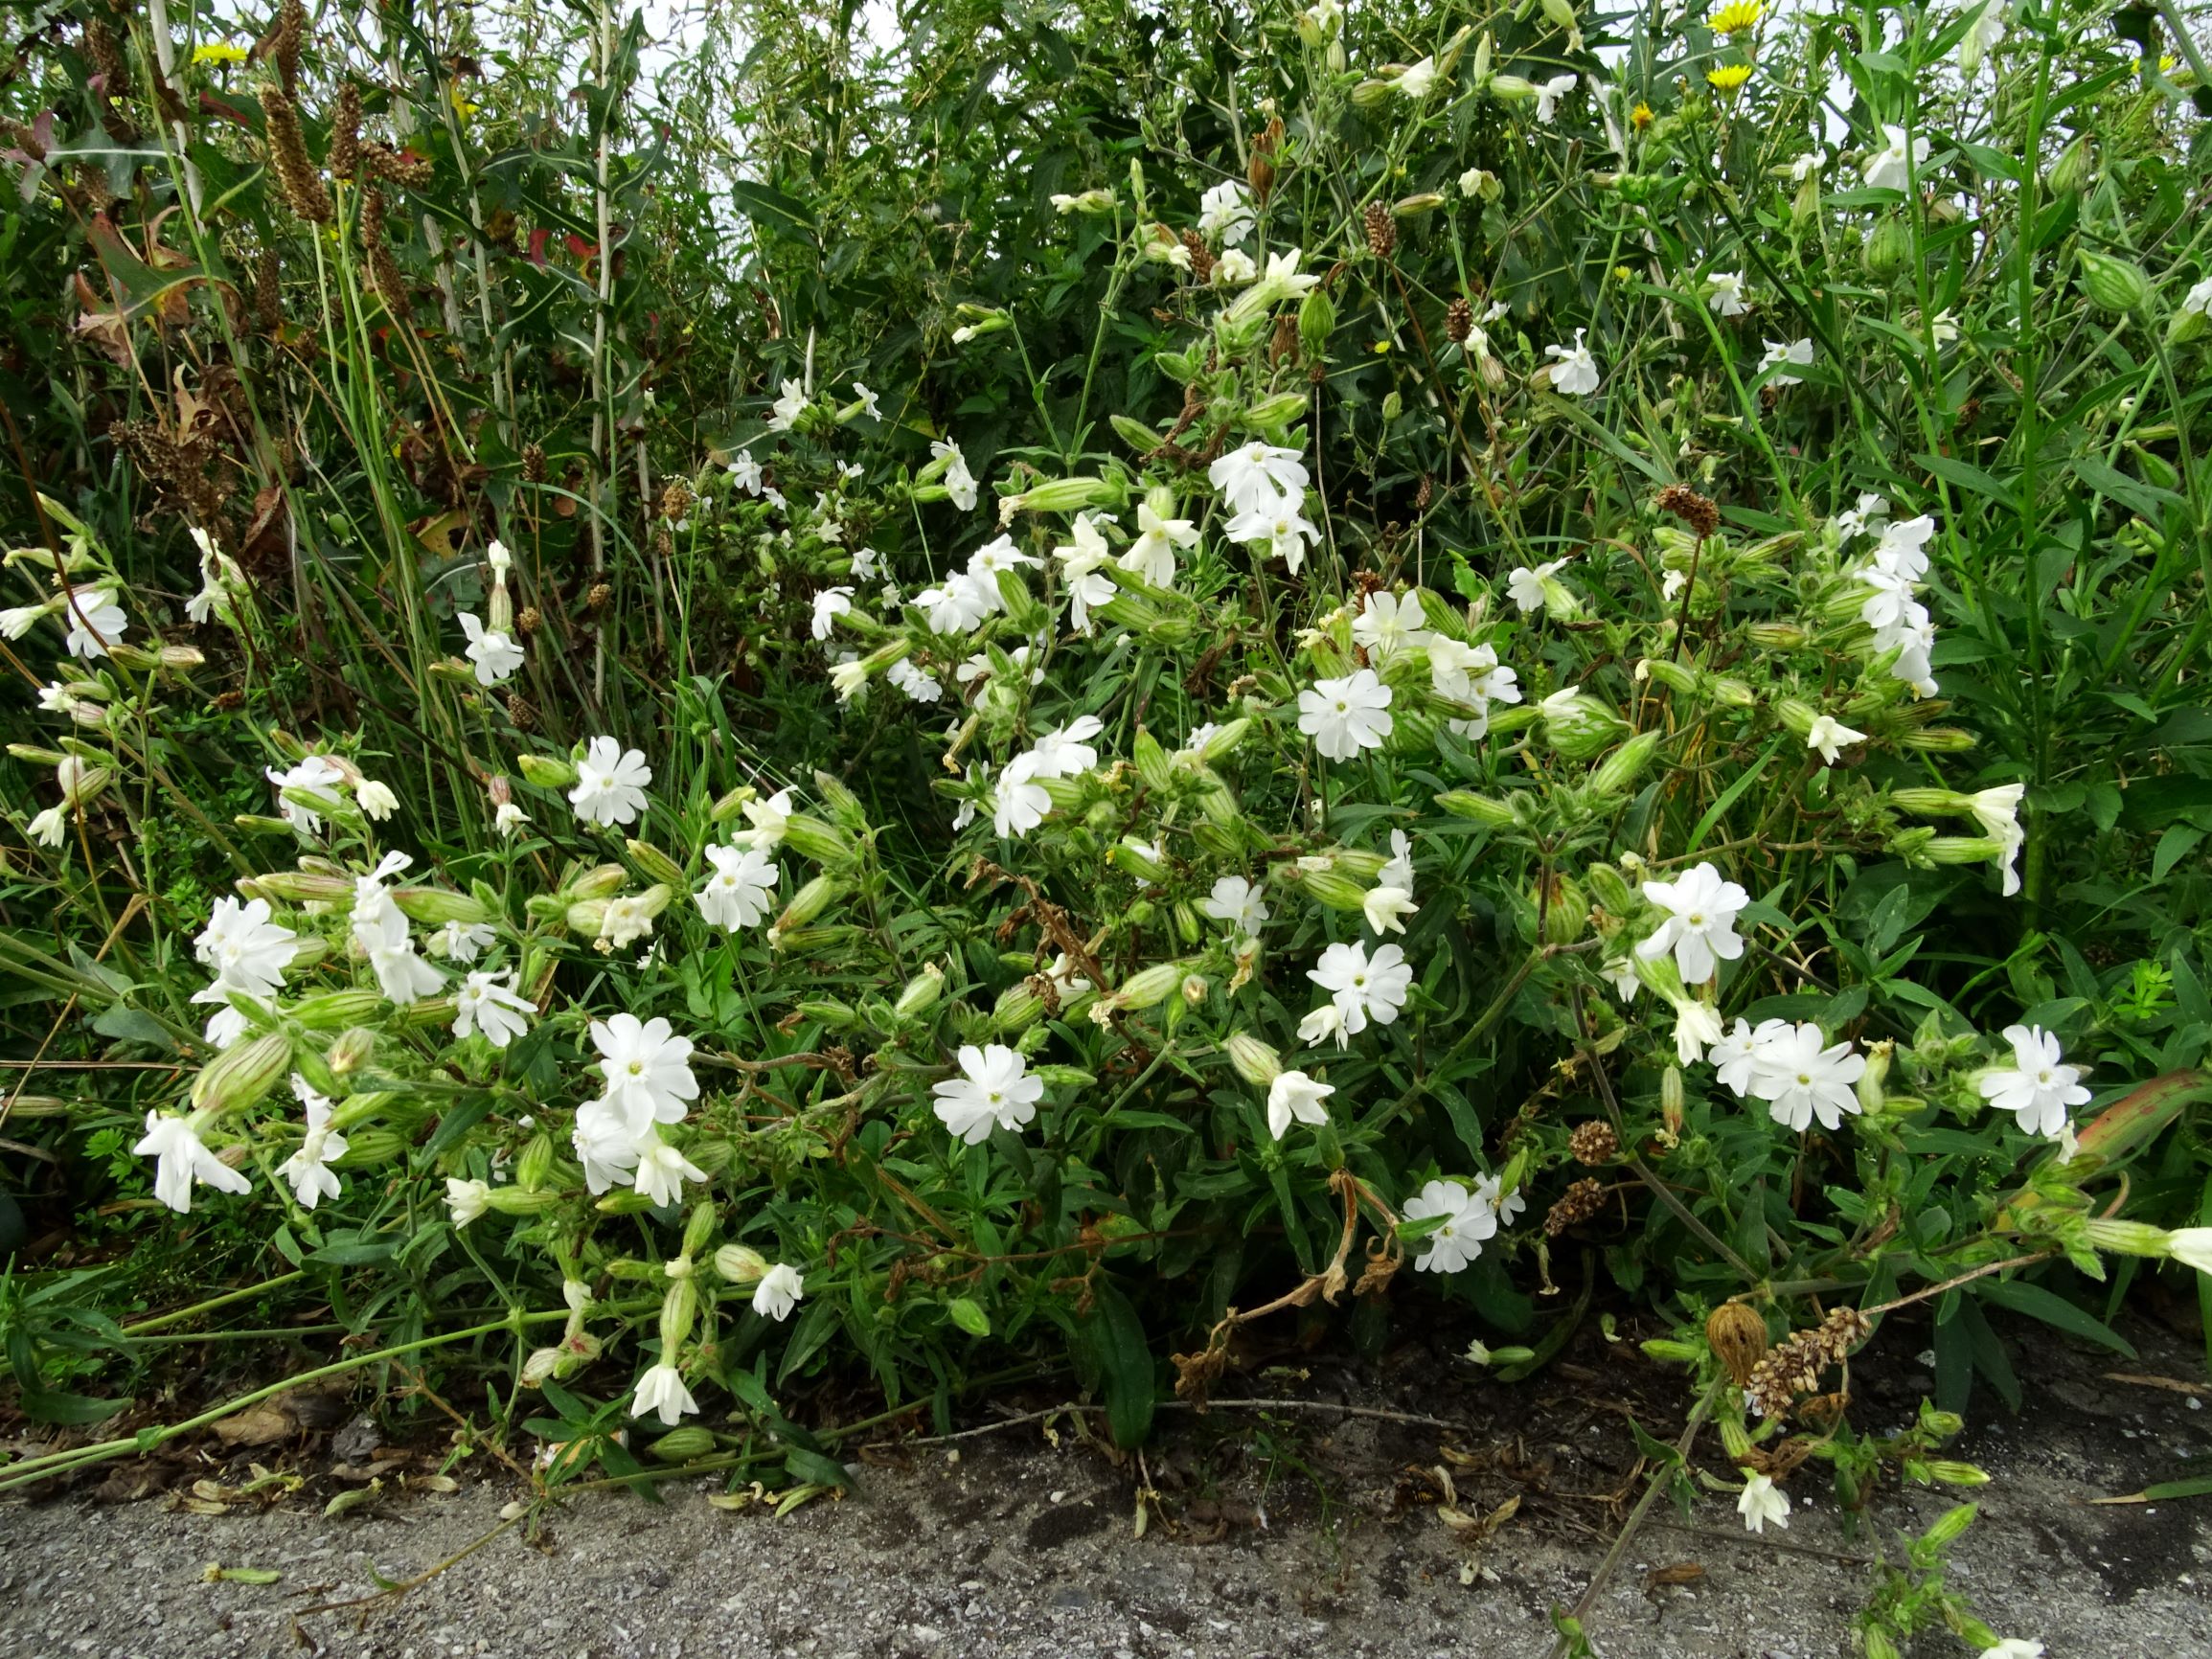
741,1265
1151,988
809,903
823,843
546,772
657,865
680,1446
1482,809
1254,1060
921,992
1950,1525
242,1073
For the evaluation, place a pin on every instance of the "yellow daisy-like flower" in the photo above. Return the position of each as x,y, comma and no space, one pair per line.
219,54
1728,77
1736,17
461,105
1640,117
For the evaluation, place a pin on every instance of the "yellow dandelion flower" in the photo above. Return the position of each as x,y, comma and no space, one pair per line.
1640,117
461,105
1728,77
1381,346
219,54
1736,17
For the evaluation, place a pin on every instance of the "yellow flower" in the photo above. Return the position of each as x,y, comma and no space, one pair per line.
1736,17
1640,117
218,54
461,105
1729,76
1381,346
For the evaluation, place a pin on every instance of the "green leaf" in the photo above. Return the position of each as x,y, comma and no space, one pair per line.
47,1405
2177,844
760,202
2054,1310
815,1467
1116,1339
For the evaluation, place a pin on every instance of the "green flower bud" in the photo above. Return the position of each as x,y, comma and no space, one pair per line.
334,1009
1371,93
1135,857
1316,322
805,940
1957,1474
1135,434
741,1265
657,865
1963,849
600,881
809,903
299,887
1333,887
1068,495
1931,803
1412,207
1888,250
823,843
1669,1351
1151,761
1279,410
1937,739
1621,768
829,1011
1950,1525
1018,1009
920,993
1149,988
1254,1060
2069,174
678,1308
372,1145
546,772
1734,1438
1482,809
242,1073
534,1163
2115,283
436,906
680,1446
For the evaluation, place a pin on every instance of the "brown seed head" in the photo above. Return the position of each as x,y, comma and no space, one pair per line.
1577,1205
1699,513
297,180
1739,1339
1594,1143
1381,231
1459,320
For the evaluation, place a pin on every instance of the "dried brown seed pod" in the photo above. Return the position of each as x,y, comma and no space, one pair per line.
297,180
1739,1339
346,134
522,712
1699,513
528,621
1459,320
533,463
1381,231
1594,1143
1576,1205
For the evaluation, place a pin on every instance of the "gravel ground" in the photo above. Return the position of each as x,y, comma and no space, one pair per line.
1281,1536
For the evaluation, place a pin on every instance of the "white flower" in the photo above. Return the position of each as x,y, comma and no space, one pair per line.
508,817
1467,1223
1800,1081
220,581
1525,587
787,408
1622,976
180,1160
1080,562
403,977
1697,1027
2191,1246
1998,812
831,604
1796,352
495,653
373,899
1416,79
1282,526
1226,213
309,1170
1389,624
777,1294
1943,328
1982,37
1019,802
648,1070
1152,555
315,773
1809,165
662,1171
1891,166
993,1090
1508,1207
959,603
243,949
488,1002
1700,922
96,622
465,1201
1236,903
745,472
1901,548
1363,987
1325,1021
1346,716
1387,908
959,481
376,799
1233,269
1576,373
2013,1648
917,686
16,620
1548,93
1258,477
741,891
1066,751
1831,737
462,941
610,783
661,1392
1762,1501
1724,293
867,401
1293,1097
2036,1088
50,827
2198,299
767,817
1739,1058
1398,871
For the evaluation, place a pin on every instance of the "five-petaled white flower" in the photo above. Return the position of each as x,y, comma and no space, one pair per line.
1282,526
313,772
1258,477
1780,354
1388,624
1576,371
2036,1088
1415,79
488,1002
1700,922
661,1393
1363,987
495,653
1831,737
1346,716
1548,93
403,977
1152,555
611,782
462,941
994,1090
1293,1097
1525,587
1226,213
1067,751
180,1159
1386,907
787,408
662,1171
1800,1080
1724,293
1762,1501
1468,1220
1236,903
831,604
2013,1648
741,891
95,621
466,1200
309,1170
1892,167
1080,560
648,1070
1997,811
777,1295
243,949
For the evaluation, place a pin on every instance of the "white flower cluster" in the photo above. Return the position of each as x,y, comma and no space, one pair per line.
1892,575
